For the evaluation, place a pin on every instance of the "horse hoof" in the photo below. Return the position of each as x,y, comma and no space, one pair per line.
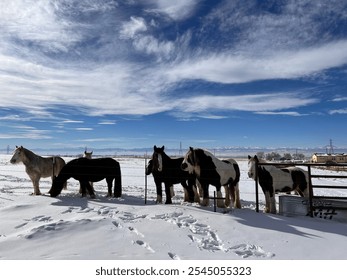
36,194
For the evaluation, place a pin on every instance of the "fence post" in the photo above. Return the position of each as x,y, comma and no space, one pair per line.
256,188
145,180
310,191
53,164
214,202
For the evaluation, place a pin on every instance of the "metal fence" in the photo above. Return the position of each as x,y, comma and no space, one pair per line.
312,187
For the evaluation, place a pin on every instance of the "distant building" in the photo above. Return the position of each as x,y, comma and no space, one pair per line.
324,158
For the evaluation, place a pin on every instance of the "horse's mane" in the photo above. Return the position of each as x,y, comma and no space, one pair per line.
29,154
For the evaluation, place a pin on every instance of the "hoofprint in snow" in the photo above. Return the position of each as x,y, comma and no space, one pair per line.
71,227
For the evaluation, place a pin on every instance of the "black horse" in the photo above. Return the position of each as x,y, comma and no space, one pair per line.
89,170
168,171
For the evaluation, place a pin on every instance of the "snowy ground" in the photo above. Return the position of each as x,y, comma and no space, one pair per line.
71,227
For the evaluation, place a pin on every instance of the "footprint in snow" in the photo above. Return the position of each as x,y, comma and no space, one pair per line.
250,250
145,245
134,230
173,256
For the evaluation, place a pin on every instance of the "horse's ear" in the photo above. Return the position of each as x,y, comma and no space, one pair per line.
249,157
155,146
163,148
191,148
91,152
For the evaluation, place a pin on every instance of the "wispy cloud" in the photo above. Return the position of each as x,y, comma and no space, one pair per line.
289,113
338,111
228,69
177,10
250,103
83,128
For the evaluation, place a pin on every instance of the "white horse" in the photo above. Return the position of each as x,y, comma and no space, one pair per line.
273,179
36,166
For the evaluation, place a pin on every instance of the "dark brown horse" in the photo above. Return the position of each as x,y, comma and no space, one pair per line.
90,170
168,171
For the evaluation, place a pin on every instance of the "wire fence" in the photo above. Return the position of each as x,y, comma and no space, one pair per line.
133,173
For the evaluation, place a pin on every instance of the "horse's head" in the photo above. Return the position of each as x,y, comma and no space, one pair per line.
57,186
88,154
190,161
17,155
252,162
157,158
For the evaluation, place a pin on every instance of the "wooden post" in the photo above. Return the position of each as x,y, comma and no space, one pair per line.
310,191
145,180
256,188
53,164
214,202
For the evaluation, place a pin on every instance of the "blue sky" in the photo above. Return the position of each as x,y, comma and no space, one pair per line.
127,74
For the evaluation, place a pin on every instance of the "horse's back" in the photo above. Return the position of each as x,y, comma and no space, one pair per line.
102,165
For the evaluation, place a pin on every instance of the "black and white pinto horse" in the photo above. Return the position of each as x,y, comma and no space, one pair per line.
90,170
209,170
273,179
168,171
37,167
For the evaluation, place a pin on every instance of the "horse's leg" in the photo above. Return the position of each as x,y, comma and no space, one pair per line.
109,187
220,202
83,188
196,195
270,202
185,189
228,193
35,178
117,191
206,200
159,191
168,193
172,191
201,191
236,192
189,187
90,190
273,204
187,194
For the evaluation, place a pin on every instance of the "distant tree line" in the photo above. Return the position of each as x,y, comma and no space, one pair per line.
278,157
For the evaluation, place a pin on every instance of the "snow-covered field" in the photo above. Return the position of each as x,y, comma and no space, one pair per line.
71,227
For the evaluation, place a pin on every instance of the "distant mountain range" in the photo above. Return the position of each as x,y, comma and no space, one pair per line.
218,151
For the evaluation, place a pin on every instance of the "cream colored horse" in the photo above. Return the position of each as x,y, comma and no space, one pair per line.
37,167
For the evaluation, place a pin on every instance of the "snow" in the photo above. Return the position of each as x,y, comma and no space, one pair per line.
69,227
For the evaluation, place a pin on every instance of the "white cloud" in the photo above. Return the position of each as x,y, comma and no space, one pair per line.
339,99
84,129
338,111
224,68
134,26
151,45
177,10
251,103
288,113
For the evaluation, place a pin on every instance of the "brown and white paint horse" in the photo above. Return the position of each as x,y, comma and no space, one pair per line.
210,170
273,179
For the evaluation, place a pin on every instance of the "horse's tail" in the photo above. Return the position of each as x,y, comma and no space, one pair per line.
118,182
